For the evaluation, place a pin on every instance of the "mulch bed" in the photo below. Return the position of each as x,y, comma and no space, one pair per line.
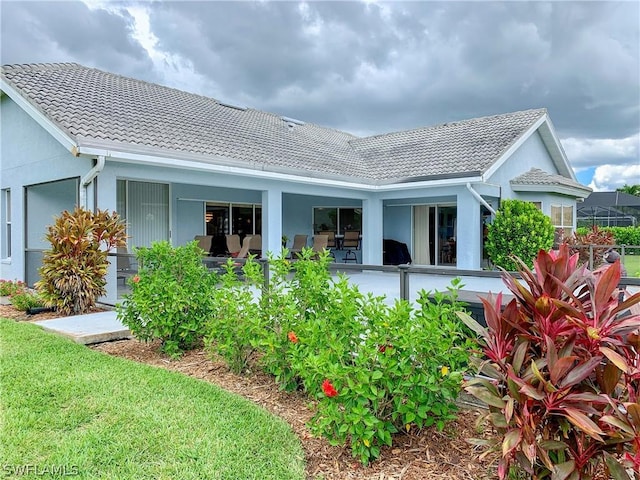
420,454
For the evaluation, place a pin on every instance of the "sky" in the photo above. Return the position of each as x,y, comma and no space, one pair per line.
369,67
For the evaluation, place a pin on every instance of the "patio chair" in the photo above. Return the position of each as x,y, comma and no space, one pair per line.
244,251
319,244
331,237
256,244
233,245
351,242
204,242
299,242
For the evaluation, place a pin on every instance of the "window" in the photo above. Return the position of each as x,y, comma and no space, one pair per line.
562,220
6,223
231,218
336,219
145,208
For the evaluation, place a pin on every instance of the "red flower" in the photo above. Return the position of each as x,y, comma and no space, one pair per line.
329,389
292,337
383,348
135,279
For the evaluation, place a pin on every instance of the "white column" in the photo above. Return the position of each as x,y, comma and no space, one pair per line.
372,231
271,221
468,241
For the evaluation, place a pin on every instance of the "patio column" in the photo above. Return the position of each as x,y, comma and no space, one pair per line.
271,221
469,229
372,231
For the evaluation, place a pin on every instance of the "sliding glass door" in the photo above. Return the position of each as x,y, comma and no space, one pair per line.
145,208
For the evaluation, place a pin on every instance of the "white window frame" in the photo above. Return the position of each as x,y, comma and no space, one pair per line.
564,224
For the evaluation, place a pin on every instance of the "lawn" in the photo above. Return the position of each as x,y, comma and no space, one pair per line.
71,410
632,264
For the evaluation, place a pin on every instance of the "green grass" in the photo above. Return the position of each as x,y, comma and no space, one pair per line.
632,264
70,409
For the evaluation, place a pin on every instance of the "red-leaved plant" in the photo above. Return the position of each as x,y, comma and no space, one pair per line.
561,372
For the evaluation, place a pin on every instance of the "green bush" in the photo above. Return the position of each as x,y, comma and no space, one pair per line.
519,229
73,271
375,369
25,299
625,235
172,296
234,323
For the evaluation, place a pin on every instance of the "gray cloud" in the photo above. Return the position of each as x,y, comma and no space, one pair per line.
34,32
371,67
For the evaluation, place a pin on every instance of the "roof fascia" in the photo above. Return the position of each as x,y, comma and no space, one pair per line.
514,146
553,144
52,129
195,165
560,189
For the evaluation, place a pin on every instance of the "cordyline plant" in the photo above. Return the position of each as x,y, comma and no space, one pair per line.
579,243
562,372
73,271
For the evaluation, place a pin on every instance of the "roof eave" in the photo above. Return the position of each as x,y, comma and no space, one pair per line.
576,192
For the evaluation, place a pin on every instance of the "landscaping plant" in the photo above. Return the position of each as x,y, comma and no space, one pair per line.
519,229
562,366
73,271
233,326
580,240
26,299
11,287
172,296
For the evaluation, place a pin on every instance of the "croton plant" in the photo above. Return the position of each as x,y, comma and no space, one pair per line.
560,372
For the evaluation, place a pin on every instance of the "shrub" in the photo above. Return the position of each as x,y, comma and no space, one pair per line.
404,371
172,296
11,287
581,239
234,324
519,229
73,271
25,299
564,371
625,235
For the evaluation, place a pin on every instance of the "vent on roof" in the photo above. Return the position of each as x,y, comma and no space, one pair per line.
232,105
292,120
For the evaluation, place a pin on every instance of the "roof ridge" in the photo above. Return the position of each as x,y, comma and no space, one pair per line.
467,121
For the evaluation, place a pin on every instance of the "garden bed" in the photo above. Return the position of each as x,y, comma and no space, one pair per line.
417,455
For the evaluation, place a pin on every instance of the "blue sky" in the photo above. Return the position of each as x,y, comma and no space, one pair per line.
370,67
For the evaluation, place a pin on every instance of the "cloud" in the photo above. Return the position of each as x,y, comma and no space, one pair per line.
367,67
610,177
34,32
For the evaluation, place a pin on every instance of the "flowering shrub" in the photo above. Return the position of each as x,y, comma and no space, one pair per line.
375,369
564,371
172,296
11,287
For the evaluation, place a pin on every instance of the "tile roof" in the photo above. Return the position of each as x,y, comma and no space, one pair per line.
535,176
97,108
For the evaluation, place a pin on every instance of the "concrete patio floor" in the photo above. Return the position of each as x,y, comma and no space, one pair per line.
105,327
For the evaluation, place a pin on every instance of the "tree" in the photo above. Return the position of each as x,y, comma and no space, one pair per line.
630,189
73,271
519,229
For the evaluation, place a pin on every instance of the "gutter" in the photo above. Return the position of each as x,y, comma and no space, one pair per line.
86,180
477,196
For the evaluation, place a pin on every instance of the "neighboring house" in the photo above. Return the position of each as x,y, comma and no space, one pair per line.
176,165
609,209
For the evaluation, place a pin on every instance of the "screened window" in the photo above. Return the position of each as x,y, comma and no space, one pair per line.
145,208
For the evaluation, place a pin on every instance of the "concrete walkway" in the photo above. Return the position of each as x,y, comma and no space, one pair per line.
86,329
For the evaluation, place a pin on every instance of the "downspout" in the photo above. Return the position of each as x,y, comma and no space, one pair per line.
88,178
477,196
